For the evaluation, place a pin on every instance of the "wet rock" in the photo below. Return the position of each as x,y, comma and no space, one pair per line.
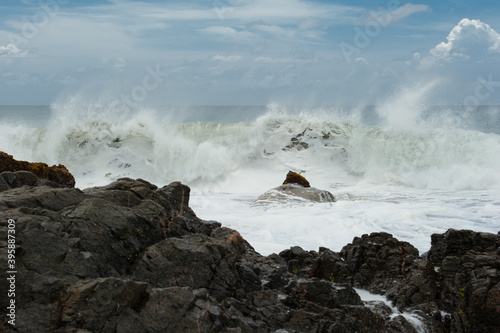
299,141
295,178
295,189
56,174
291,193
132,257
98,305
374,260
468,275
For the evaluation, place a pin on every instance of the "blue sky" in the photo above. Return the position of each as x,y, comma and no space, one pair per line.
227,52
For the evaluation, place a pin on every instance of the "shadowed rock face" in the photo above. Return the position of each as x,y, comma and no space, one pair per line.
132,257
58,175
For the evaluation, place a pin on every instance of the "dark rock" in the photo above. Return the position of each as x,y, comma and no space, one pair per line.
374,260
468,275
299,141
57,174
98,305
131,257
295,188
295,178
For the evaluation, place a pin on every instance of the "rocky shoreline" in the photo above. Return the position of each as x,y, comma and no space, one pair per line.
131,257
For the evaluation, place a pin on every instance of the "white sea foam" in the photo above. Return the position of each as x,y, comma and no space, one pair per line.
408,182
372,300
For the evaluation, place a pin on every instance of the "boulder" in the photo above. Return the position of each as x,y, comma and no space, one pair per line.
57,175
295,189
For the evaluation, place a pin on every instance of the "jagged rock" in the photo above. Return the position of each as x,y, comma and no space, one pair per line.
298,142
375,260
132,257
58,175
468,275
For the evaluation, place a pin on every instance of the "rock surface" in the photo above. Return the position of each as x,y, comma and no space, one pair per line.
295,178
295,188
131,257
55,176
294,193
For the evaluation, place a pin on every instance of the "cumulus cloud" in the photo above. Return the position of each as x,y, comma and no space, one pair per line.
11,51
469,39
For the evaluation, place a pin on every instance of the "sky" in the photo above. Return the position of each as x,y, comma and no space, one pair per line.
249,52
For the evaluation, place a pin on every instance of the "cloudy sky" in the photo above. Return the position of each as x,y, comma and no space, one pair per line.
249,52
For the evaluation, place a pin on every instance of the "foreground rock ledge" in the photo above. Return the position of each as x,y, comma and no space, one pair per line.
131,257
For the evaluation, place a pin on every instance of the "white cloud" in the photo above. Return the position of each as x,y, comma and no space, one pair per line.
239,10
272,29
11,51
227,32
226,58
469,39
407,10
388,15
288,9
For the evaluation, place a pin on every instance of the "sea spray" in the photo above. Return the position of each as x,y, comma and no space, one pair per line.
408,182
102,146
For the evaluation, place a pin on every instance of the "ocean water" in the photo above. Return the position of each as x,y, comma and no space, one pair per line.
409,171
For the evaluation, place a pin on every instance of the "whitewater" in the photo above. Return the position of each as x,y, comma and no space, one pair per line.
409,172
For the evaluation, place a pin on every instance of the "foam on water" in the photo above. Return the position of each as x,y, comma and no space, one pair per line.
372,300
411,181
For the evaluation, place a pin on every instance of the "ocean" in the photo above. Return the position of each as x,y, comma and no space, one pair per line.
409,171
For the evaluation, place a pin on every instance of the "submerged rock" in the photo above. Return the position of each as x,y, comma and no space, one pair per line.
132,257
58,175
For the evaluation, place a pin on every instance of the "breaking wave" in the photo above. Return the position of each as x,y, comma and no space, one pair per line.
101,146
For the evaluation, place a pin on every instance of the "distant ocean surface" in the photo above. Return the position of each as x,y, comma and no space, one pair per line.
404,170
